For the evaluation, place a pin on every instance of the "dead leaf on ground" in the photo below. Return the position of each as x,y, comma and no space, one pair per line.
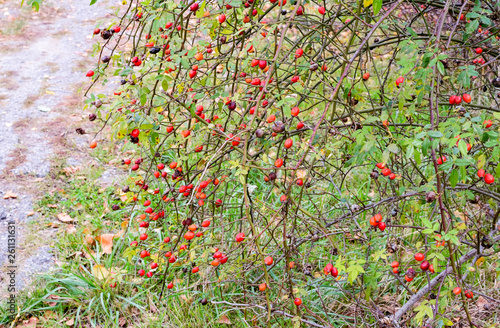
120,233
301,174
152,306
122,321
30,323
70,229
481,302
53,297
63,217
106,241
9,194
30,213
47,314
52,206
75,254
89,240
224,319
70,322
106,207
185,299
71,169
53,224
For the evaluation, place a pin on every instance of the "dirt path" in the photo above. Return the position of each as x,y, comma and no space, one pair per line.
43,60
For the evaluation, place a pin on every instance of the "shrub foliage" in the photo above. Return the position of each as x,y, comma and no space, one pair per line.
324,164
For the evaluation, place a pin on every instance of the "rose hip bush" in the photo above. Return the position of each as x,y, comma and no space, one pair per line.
325,164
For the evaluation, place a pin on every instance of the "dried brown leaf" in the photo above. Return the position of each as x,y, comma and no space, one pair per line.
71,169
122,321
106,241
9,194
224,319
53,297
63,217
481,302
89,240
30,323
70,229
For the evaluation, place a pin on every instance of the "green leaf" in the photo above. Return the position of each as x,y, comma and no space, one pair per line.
393,148
435,134
463,162
377,5
472,27
427,223
423,310
184,63
425,146
410,30
92,2
462,146
418,158
440,68
144,98
164,85
433,62
454,178
385,156
490,143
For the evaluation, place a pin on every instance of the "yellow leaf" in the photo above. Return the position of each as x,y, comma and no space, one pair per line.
100,272
480,261
481,161
367,3
49,92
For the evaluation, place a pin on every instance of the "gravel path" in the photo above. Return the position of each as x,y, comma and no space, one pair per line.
43,60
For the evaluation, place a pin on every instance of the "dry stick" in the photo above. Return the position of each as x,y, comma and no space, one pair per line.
344,75
435,120
311,323
244,160
421,293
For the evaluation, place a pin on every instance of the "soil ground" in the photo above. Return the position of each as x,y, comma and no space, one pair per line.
43,60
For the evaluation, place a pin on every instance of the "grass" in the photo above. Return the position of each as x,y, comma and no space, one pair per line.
77,293
14,27
86,301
